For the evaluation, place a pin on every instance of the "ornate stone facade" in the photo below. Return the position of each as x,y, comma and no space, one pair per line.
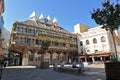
27,37
1,26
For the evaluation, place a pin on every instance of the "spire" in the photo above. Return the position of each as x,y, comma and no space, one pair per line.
33,16
48,17
55,20
55,23
41,16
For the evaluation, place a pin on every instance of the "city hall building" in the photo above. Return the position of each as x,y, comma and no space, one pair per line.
27,37
95,44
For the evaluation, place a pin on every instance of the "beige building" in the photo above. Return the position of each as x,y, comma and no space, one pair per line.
28,36
1,7
1,26
80,28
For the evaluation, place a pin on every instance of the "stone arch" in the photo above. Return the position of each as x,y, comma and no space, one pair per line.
62,56
103,39
55,57
15,58
31,55
47,57
94,40
87,42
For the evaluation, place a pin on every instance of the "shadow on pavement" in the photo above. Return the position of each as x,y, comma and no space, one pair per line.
49,74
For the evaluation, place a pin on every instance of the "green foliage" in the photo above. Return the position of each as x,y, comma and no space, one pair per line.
108,16
45,45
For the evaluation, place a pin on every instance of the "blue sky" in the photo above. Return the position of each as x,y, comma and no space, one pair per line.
68,12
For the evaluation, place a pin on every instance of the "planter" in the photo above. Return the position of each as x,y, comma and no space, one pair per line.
44,65
112,70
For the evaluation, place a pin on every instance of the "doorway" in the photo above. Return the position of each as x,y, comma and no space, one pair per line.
15,59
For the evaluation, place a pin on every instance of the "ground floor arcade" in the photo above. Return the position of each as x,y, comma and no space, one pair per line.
33,56
95,58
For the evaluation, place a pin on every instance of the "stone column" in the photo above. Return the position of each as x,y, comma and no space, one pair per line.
93,60
25,59
58,56
65,57
51,58
101,59
85,59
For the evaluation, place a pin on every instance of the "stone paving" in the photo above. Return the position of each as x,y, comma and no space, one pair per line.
92,72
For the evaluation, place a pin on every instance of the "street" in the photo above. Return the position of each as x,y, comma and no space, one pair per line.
92,72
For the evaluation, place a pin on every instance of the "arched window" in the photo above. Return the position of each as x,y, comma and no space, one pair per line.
87,42
25,30
81,43
103,39
94,40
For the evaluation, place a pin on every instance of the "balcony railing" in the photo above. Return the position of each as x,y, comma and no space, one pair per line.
51,47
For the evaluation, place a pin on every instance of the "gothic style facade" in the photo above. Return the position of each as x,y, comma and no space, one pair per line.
27,37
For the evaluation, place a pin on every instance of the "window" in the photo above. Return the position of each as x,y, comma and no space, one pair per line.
87,42
18,29
23,40
96,51
22,29
88,50
103,39
30,30
94,40
25,30
81,43
17,40
20,40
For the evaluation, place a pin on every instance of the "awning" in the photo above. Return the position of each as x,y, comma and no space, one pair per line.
95,55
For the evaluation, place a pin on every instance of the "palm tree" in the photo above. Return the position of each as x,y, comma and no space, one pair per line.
109,17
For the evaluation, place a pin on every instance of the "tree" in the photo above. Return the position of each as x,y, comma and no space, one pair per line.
109,17
44,48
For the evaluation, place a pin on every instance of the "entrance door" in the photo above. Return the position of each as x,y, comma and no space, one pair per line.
15,59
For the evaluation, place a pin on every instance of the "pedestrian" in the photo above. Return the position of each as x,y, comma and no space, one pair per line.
81,65
62,63
74,64
1,63
5,64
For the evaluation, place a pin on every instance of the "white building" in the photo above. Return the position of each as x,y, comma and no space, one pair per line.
6,36
94,44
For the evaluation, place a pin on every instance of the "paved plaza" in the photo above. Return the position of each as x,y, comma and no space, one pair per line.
92,72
